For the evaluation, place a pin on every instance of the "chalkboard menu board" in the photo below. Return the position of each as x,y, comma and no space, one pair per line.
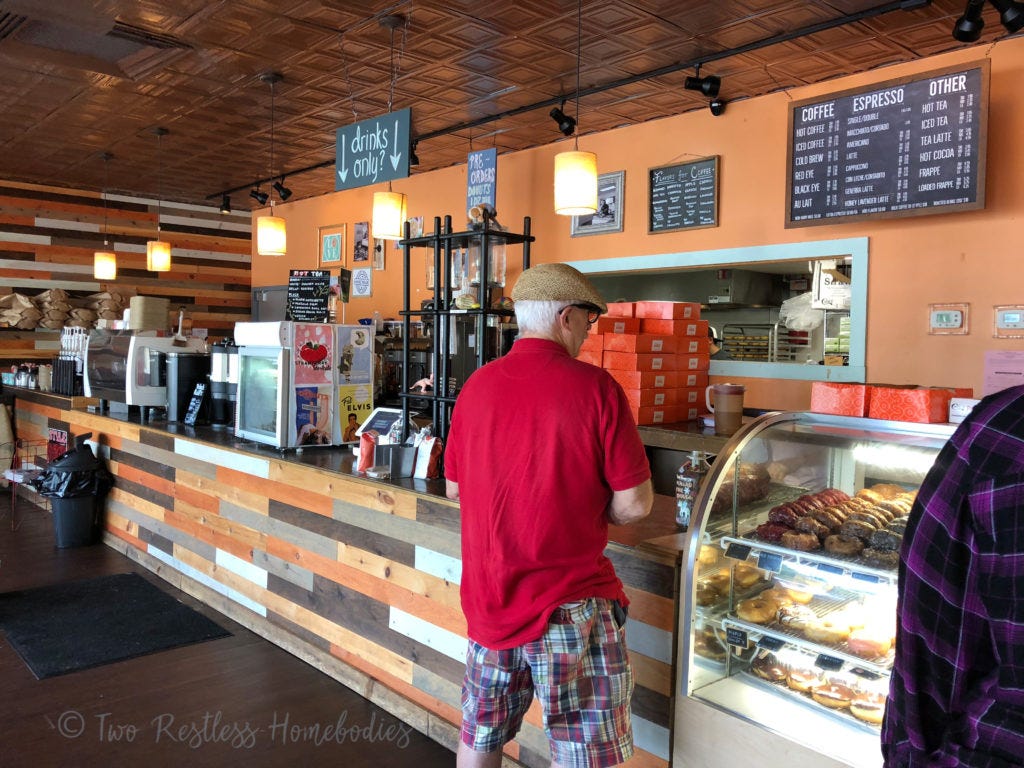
905,147
683,196
308,293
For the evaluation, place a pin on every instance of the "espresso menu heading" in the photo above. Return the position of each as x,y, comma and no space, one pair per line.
906,147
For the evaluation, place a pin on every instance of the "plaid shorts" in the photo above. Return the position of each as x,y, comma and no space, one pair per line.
579,670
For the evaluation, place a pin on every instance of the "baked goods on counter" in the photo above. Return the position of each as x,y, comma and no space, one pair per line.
752,485
869,526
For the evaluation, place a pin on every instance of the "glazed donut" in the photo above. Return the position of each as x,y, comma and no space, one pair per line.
756,610
833,696
746,575
802,542
826,632
869,707
718,581
871,495
768,668
888,490
838,544
708,555
777,596
803,679
868,643
707,595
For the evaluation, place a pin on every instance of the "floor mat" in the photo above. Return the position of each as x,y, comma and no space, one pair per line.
67,627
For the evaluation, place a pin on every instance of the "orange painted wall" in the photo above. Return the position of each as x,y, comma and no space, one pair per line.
963,257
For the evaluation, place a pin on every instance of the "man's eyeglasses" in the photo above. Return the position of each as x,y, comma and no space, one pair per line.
592,312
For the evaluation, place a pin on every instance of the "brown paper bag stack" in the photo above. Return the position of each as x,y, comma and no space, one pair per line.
18,311
54,306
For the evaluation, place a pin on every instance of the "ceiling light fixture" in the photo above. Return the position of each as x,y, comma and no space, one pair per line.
158,252
389,208
271,231
968,27
282,190
104,263
225,203
565,123
709,85
259,197
576,171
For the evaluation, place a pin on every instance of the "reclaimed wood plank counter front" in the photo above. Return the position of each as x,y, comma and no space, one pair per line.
358,577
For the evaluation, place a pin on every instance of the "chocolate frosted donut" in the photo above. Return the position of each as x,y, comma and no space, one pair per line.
886,539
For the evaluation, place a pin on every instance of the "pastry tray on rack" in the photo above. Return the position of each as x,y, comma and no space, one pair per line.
826,562
783,689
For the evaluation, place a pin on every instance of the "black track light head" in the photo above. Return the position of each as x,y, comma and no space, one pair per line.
225,203
709,85
282,190
968,27
1011,14
717,106
414,159
566,124
259,197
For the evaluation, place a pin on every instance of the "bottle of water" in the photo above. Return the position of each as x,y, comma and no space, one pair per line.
688,479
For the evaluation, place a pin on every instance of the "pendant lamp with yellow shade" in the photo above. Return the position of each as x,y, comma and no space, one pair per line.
389,208
158,252
576,171
271,231
104,263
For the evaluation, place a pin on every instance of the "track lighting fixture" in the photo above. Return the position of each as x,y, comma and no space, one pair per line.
259,197
968,27
709,85
282,190
566,124
717,106
225,203
1011,14
413,157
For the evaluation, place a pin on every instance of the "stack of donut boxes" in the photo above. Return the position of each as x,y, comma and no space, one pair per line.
658,351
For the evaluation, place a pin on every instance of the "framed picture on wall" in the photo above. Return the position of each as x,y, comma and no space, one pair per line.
332,245
608,217
361,242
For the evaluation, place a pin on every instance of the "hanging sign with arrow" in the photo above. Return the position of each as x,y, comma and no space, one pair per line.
372,150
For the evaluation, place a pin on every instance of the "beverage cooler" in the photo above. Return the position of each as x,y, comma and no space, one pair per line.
788,598
298,383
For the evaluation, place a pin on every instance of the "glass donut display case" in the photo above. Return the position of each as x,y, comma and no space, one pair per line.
789,612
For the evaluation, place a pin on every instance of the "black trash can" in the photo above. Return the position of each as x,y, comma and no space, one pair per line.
76,484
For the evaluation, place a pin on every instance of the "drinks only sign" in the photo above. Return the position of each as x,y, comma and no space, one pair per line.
372,150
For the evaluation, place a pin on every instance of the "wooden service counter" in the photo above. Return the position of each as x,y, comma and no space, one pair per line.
359,577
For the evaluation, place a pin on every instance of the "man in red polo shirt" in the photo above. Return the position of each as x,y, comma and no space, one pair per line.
543,454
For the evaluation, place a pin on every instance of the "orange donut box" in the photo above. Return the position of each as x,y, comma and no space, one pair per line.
915,404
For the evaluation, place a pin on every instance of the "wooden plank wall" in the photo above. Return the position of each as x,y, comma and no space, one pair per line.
347,569
48,236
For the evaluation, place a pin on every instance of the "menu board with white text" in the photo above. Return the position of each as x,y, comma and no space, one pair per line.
905,147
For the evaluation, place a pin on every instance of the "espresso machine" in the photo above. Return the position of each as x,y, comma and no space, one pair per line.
223,383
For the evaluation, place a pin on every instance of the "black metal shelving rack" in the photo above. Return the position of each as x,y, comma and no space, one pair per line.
442,242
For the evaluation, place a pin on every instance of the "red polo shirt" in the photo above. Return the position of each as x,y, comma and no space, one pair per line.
538,443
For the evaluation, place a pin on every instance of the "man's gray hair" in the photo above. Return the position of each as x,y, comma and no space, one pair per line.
538,316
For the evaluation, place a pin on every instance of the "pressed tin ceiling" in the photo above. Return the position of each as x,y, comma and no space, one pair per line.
86,77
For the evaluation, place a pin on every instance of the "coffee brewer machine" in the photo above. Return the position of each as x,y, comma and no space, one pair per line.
223,383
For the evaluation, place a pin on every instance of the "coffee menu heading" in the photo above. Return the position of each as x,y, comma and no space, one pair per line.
905,147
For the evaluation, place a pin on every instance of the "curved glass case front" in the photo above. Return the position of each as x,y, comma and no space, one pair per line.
789,610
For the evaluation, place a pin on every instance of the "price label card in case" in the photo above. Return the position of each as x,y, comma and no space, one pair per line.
866,577
829,663
769,561
833,569
771,643
737,637
737,551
